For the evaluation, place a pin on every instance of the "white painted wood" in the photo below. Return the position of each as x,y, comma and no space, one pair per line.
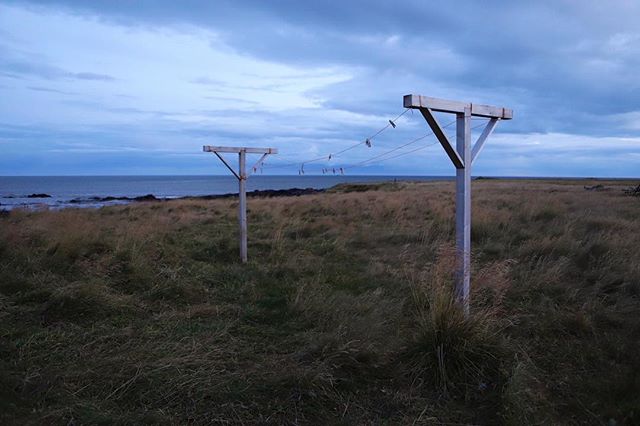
477,147
234,149
242,206
442,137
463,210
444,105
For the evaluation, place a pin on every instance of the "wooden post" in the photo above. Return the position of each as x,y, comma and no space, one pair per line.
463,209
462,157
242,205
242,177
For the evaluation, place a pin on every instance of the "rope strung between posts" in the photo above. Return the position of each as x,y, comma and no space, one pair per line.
367,141
376,159
373,160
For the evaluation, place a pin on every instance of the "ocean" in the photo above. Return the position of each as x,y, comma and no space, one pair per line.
55,192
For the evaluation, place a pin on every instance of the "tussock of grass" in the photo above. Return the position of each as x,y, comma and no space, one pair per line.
142,313
450,350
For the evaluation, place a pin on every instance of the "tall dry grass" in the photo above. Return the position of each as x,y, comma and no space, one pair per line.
343,315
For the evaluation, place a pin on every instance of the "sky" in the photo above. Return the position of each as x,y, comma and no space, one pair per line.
118,87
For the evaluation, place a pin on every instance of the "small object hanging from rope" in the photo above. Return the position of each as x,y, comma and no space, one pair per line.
368,142
392,124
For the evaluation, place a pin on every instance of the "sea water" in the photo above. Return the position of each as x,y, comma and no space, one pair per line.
81,191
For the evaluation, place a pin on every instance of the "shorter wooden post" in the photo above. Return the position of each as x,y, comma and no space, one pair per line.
242,205
242,177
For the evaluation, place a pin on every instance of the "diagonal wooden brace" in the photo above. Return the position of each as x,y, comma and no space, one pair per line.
442,138
488,129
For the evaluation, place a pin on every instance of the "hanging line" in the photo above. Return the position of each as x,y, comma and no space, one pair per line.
367,141
396,148
403,153
391,123
401,146
372,160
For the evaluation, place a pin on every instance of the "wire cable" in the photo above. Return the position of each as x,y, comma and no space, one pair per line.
401,146
373,159
367,141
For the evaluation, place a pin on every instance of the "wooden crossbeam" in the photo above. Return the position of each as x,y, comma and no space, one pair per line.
444,105
237,150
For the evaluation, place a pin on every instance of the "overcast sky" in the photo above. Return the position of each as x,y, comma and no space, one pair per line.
137,87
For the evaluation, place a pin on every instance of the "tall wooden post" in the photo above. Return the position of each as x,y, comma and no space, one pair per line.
463,209
462,158
242,177
242,205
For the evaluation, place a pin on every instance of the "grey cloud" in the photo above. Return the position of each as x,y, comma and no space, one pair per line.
207,81
563,66
49,90
92,76
548,58
22,69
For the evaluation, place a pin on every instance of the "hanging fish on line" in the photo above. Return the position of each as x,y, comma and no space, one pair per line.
392,124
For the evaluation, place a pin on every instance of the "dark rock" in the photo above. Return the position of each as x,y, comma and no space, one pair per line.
39,196
148,197
267,193
292,192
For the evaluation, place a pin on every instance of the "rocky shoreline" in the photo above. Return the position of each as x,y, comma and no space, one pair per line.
266,193
96,201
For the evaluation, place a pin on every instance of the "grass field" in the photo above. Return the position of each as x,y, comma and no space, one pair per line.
142,314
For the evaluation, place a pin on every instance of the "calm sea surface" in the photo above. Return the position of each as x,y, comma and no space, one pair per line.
15,190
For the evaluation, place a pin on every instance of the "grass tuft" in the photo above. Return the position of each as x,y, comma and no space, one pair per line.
453,351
